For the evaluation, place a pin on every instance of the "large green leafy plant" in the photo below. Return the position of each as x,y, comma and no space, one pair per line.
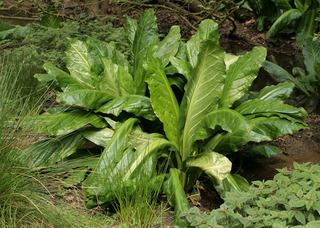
297,16
291,199
305,80
185,90
206,125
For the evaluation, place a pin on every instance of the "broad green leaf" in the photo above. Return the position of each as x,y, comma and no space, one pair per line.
144,151
130,29
233,182
177,81
86,98
99,137
64,123
72,171
138,105
78,63
176,195
300,217
307,26
115,79
146,36
266,151
50,151
230,142
95,188
283,21
180,61
64,80
202,92
277,72
168,46
311,53
229,59
269,128
280,91
99,49
139,138
208,30
276,114
122,167
163,100
222,119
213,164
183,67
241,74
281,75
227,129
257,106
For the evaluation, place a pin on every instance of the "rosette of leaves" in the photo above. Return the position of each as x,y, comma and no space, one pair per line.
187,90
101,101
291,199
207,124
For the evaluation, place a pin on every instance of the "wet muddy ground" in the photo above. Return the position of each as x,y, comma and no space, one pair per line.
301,147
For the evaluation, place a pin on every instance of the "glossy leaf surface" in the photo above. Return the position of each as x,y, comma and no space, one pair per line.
65,122
241,74
163,100
213,164
202,92
50,151
138,105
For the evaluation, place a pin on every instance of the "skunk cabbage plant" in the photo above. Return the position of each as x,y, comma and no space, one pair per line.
306,80
170,102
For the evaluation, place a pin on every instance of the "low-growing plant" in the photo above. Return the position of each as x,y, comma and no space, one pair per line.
35,44
291,199
139,208
187,92
23,198
306,80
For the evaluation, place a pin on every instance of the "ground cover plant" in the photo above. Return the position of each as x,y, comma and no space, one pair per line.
170,102
36,43
291,199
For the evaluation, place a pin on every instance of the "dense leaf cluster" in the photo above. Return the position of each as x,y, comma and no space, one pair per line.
307,81
35,44
289,16
189,91
291,199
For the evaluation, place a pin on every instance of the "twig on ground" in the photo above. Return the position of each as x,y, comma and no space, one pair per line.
20,18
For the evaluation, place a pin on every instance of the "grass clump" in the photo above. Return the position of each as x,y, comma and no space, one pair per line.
22,200
138,206
25,201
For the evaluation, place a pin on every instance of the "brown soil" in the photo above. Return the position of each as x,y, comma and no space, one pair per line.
301,147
